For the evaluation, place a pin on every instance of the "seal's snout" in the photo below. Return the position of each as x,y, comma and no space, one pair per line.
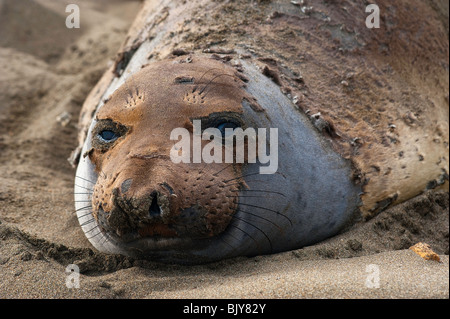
155,208
128,211
152,206
162,205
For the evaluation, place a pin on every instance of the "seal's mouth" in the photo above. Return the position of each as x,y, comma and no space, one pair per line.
146,245
149,239
156,230
155,234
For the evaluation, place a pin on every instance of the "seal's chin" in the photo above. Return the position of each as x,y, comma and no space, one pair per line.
151,246
150,238
163,249
157,231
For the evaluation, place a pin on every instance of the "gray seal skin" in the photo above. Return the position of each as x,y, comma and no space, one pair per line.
310,198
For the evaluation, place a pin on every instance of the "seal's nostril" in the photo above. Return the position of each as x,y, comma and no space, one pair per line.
154,207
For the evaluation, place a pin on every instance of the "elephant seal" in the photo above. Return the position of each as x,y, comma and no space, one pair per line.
361,127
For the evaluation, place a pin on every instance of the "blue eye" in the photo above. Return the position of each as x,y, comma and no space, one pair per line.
224,125
108,135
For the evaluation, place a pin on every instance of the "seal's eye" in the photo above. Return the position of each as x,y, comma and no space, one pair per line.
107,136
224,125
106,132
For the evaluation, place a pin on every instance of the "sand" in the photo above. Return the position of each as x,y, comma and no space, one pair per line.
47,71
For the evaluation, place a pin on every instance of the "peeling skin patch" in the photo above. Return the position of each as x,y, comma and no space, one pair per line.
347,39
124,58
272,75
384,204
323,126
441,180
184,79
179,52
253,104
219,51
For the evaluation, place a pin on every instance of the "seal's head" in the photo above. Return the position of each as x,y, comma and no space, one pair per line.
145,204
140,194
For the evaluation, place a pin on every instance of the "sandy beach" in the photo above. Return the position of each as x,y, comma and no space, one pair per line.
47,72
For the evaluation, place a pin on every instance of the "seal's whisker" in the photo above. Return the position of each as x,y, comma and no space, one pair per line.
217,76
220,171
263,191
239,183
84,179
259,229
243,231
231,235
71,193
88,222
89,208
229,180
89,189
93,228
203,168
87,214
255,190
134,84
199,80
130,93
82,208
104,176
105,239
263,218
243,196
99,232
228,244
268,209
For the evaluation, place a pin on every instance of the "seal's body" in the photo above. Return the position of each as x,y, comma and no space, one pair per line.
335,164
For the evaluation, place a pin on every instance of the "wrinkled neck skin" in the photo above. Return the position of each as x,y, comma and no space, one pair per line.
309,198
